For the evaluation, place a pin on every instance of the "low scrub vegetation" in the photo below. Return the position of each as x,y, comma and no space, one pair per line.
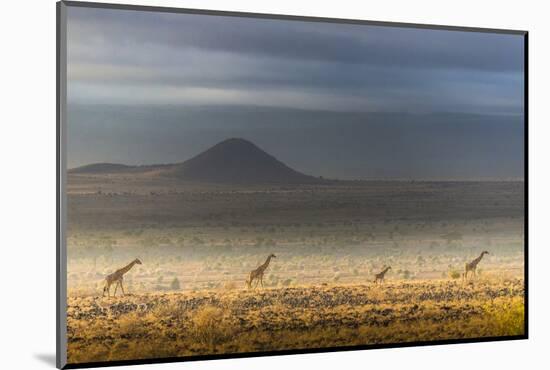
238,320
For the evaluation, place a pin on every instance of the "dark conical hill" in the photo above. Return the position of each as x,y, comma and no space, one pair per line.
232,161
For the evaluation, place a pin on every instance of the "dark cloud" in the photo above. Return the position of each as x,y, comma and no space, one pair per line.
342,43
212,59
330,99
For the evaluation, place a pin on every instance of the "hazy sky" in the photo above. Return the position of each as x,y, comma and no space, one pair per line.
148,87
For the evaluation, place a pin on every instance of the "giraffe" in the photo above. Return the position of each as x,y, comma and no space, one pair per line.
258,274
116,277
472,266
380,276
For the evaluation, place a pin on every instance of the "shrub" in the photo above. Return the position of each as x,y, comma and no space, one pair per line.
287,282
230,285
508,319
207,325
454,274
197,240
132,324
175,284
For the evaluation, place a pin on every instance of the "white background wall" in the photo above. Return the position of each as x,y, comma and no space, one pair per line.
27,167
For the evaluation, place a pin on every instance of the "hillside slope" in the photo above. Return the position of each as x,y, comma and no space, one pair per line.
232,161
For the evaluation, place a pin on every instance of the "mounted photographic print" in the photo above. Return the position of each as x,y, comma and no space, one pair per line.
234,184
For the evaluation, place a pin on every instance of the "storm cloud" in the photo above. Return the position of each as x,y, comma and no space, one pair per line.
190,59
332,99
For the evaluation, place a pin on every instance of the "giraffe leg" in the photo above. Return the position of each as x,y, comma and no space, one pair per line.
122,288
116,287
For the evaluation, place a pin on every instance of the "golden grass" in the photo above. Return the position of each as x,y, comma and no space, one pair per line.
209,326
507,316
236,320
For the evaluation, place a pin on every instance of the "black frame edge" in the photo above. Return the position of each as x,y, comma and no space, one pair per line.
526,180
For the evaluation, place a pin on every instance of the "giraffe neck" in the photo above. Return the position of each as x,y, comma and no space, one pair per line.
385,270
127,268
266,263
479,258
476,261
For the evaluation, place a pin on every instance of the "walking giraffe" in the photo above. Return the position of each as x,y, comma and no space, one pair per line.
380,276
116,277
258,274
472,266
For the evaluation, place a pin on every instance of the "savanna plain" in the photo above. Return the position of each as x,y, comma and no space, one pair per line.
198,243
